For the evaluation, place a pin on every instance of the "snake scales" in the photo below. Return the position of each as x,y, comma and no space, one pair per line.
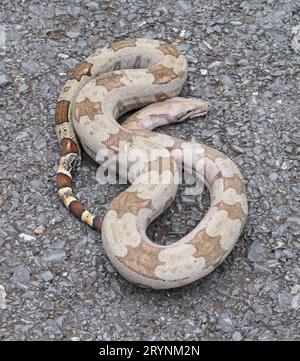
131,74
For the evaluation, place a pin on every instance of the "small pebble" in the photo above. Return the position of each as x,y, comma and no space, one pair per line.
47,276
3,295
26,237
4,80
21,275
55,256
40,229
73,33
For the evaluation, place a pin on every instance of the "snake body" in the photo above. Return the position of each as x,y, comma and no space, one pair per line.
147,74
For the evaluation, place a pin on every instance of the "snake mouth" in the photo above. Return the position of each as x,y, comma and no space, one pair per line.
196,114
192,114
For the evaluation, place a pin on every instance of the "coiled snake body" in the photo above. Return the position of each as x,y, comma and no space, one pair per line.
131,74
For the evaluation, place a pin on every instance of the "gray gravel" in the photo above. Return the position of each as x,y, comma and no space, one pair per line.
55,281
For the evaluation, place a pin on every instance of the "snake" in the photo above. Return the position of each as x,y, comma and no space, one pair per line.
146,75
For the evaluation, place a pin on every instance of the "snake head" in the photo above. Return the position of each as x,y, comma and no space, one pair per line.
187,108
173,110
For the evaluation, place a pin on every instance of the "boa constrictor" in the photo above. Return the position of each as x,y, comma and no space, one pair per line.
127,75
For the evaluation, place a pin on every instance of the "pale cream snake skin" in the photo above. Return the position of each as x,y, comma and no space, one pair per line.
131,74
